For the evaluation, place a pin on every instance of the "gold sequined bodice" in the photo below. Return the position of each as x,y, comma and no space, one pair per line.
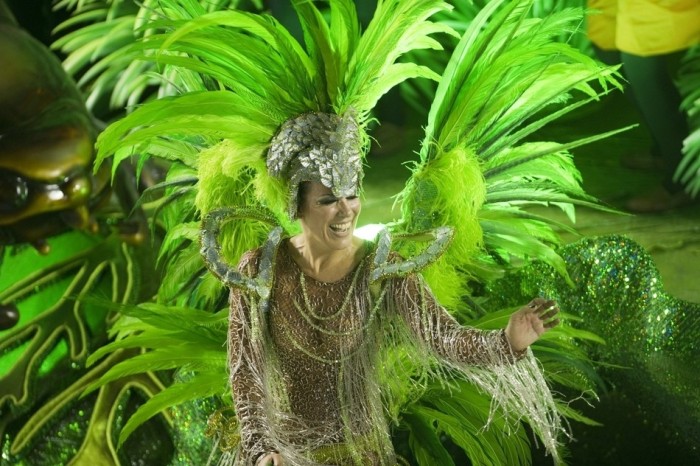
313,325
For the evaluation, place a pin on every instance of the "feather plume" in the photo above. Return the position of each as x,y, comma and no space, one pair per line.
505,80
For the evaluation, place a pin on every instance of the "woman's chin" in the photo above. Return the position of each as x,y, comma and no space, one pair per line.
340,239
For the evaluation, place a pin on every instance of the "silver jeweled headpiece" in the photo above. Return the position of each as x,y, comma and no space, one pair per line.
321,147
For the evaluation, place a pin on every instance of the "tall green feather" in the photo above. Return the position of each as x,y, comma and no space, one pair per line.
505,80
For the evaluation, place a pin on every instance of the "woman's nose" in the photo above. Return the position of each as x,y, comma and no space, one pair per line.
343,205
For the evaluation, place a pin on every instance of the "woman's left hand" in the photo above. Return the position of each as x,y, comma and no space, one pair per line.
530,321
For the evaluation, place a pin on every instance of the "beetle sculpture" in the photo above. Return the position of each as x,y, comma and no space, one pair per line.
54,308
46,144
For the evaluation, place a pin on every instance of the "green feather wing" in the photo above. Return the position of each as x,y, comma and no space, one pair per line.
506,79
173,338
481,167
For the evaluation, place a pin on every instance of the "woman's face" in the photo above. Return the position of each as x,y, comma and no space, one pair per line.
327,220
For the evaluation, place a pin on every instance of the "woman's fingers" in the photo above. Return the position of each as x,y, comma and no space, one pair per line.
551,324
536,303
547,313
546,310
546,306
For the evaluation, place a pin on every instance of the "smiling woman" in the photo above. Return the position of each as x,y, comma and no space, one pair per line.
313,314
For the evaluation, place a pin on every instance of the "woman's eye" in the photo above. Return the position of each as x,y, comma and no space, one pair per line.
327,201
351,198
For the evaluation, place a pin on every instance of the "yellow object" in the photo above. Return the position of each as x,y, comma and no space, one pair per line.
644,27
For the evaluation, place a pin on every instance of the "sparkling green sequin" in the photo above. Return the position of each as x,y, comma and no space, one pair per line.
651,337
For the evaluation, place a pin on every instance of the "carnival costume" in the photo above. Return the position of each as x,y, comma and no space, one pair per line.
496,91
304,355
281,115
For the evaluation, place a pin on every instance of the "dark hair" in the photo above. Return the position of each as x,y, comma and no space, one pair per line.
302,191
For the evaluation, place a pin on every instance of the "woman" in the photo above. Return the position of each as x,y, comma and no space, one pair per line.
305,342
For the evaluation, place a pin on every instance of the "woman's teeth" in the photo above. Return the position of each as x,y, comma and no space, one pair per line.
340,227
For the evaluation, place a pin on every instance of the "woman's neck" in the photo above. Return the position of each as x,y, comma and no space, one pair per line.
325,264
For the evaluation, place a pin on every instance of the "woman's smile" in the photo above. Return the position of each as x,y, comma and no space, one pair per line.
341,227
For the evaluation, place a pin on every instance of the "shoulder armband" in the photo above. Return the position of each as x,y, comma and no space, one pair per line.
229,275
383,268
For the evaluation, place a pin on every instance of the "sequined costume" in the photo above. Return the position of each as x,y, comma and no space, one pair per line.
305,372
651,338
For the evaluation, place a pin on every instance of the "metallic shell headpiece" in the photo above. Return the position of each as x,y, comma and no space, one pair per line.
321,147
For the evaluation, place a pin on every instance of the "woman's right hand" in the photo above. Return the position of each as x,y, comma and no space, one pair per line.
270,459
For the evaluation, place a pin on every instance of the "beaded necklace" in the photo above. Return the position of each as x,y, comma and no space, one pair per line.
312,317
343,305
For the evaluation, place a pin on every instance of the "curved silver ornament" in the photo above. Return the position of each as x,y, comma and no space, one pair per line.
211,249
382,268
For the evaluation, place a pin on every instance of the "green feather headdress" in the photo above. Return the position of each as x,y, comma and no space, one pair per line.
263,78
